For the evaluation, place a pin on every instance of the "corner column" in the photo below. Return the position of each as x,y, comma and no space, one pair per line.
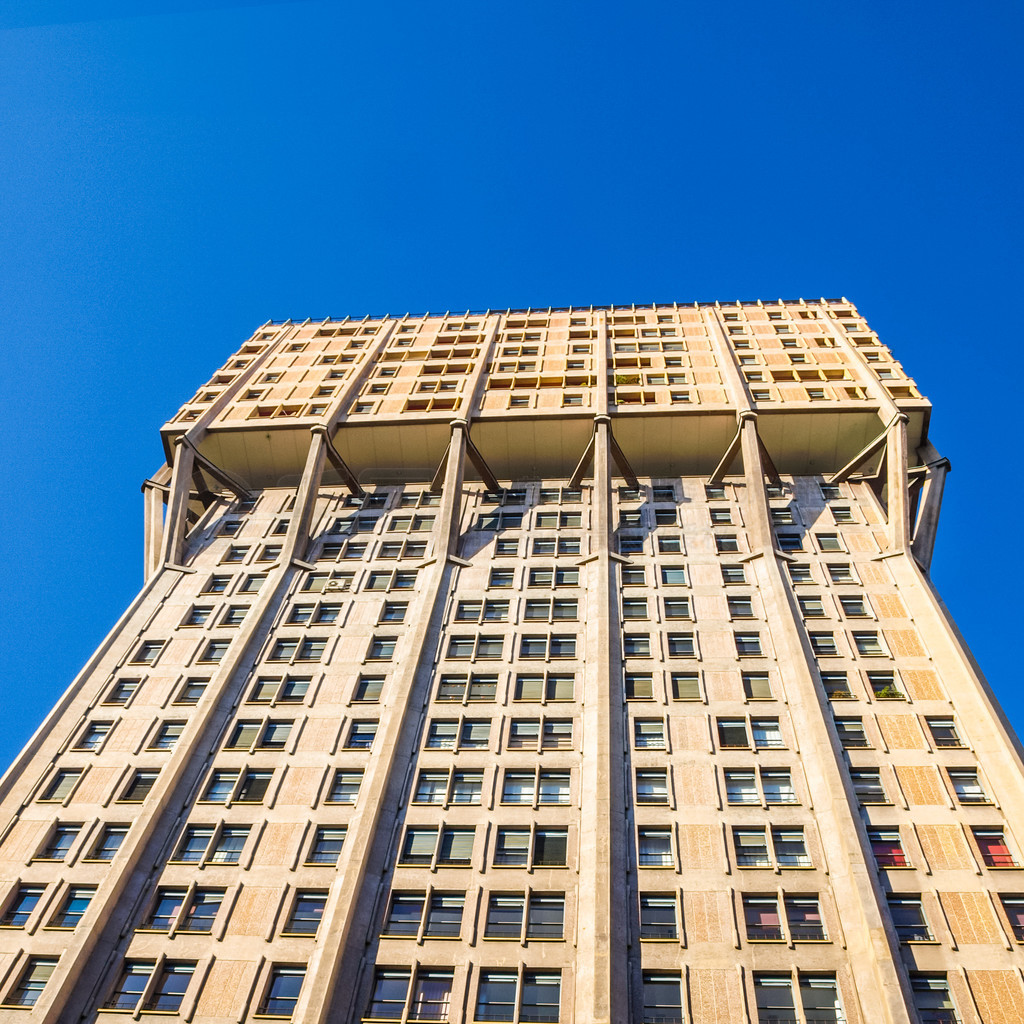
175,525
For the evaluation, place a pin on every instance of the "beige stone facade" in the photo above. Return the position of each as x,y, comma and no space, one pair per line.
570,665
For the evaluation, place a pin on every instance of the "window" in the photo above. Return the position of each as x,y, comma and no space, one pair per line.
651,786
654,847
122,691
1014,907
172,982
636,645
851,732
721,516
548,687
404,913
854,607
139,786
60,842
751,847
867,785
551,646
639,686
648,734
557,734
202,910
501,578
444,916
93,735
307,912
545,916
740,606
967,786
191,691
840,572
634,608
734,574
908,918
887,848
828,542
148,651
680,645
32,981
685,686
24,901
676,607
345,787
820,998
504,916
274,690
361,734
732,732
766,732
790,542
761,915
538,994
663,999
73,907
869,644
932,998
800,572
756,686
777,785
823,645
727,543
883,686
811,607
109,842
658,916
130,985
993,847
836,686
673,575
740,787
282,992
167,735
467,688
217,585
203,842
62,784
944,732
326,845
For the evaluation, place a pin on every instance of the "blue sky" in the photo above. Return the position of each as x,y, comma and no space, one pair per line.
169,181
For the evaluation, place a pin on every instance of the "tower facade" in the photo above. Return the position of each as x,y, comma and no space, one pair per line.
560,665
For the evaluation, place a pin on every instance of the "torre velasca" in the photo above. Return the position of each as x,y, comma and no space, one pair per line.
573,665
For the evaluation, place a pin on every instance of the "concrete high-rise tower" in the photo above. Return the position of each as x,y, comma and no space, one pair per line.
571,665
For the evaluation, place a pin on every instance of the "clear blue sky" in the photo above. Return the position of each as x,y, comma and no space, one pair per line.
169,181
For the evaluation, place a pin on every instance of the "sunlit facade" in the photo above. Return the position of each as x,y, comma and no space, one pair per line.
548,665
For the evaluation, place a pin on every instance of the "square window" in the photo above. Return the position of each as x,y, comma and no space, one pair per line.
649,733
654,847
685,686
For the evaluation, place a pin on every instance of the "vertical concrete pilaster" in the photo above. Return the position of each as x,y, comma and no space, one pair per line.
897,491
602,962
153,498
